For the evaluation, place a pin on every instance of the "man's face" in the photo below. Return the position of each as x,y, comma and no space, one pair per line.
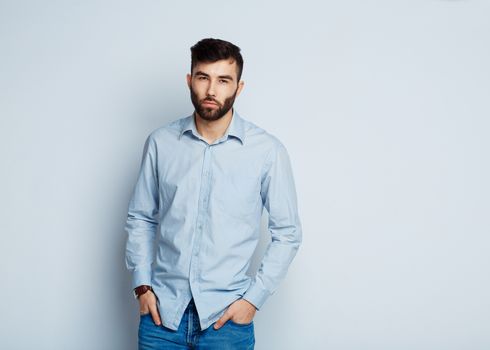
213,88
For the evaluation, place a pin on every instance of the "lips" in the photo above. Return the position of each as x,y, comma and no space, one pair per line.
209,103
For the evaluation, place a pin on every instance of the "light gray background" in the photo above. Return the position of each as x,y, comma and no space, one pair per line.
382,105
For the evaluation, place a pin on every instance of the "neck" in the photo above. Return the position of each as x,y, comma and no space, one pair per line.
213,129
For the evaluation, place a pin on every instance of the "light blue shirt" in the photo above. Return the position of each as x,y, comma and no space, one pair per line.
200,205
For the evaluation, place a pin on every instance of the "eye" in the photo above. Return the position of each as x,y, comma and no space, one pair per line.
224,81
201,78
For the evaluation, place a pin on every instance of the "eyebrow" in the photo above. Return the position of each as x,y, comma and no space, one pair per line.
219,76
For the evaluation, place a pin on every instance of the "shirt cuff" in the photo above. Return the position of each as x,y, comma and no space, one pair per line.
256,295
142,276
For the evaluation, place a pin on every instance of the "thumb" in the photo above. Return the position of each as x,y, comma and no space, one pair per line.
155,315
222,320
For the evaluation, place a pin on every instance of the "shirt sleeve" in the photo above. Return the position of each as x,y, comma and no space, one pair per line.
279,198
142,219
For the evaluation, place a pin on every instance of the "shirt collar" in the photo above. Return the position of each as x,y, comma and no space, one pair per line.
236,127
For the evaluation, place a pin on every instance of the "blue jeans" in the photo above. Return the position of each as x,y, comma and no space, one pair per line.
231,335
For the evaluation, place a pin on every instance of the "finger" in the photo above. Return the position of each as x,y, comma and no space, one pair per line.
155,315
226,316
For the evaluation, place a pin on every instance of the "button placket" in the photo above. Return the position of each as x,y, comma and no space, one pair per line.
201,217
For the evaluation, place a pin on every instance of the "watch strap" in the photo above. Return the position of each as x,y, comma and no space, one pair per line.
138,291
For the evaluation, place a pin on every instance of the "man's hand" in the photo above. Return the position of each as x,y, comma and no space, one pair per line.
148,304
240,311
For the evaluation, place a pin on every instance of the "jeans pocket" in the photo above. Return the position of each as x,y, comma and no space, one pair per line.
240,324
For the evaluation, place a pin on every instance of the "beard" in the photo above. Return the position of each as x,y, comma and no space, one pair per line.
210,113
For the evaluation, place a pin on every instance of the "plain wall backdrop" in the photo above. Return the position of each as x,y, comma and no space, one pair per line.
382,105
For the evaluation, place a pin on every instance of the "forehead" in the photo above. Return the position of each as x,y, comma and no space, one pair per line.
221,67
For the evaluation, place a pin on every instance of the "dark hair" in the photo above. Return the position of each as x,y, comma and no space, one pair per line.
212,50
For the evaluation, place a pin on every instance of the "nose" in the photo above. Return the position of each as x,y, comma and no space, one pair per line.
211,91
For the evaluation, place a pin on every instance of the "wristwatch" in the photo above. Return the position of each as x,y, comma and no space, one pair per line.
141,290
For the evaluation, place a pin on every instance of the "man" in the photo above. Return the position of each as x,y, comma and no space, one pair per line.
203,183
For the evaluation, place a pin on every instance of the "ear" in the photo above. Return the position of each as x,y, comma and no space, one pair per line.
241,83
189,79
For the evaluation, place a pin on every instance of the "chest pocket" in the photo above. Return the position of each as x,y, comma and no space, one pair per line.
237,194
